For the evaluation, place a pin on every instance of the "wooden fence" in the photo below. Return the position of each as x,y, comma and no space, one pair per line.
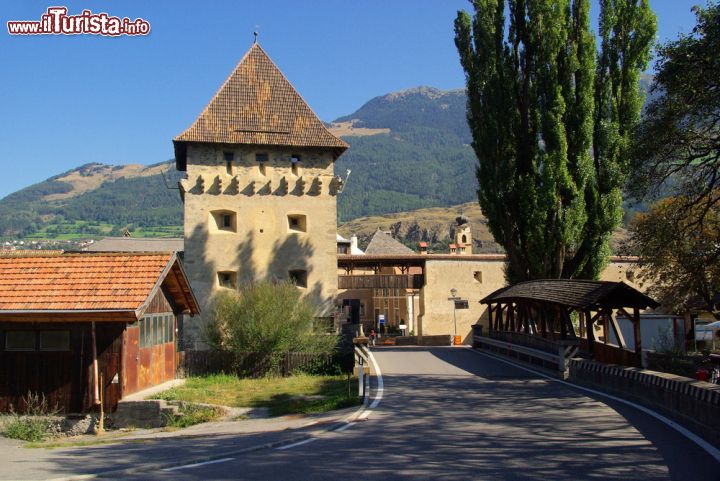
612,354
257,364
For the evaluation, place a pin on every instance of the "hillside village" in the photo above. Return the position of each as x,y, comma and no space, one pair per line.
282,277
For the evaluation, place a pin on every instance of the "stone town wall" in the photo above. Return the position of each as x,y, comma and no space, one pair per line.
436,311
261,243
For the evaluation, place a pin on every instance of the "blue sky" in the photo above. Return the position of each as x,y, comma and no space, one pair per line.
70,100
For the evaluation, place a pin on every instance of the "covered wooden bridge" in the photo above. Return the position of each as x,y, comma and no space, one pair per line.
570,314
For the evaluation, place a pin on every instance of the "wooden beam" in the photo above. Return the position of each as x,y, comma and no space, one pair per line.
616,329
590,332
636,332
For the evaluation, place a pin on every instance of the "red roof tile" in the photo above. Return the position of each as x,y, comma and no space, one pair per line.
79,281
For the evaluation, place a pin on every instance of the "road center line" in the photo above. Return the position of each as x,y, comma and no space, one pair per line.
195,465
299,443
709,448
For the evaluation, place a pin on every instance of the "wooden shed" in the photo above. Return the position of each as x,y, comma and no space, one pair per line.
78,327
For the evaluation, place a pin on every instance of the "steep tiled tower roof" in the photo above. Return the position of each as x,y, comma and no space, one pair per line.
257,105
382,243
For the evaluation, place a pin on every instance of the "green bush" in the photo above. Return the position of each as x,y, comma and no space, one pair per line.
267,318
35,425
27,428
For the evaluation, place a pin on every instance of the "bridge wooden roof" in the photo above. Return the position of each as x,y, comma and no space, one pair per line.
575,293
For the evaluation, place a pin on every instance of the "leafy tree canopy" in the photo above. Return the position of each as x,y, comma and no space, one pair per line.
681,263
678,141
550,118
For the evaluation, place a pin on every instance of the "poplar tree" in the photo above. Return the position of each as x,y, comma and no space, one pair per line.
550,117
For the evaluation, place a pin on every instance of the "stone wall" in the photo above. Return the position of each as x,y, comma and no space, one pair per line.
695,404
436,311
260,243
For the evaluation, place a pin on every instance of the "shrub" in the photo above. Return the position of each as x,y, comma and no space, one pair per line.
267,318
35,425
26,428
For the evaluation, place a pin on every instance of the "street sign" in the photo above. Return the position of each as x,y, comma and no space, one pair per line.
403,326
381,318
461,304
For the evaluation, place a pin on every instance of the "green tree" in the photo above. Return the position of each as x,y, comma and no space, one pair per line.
550,119
681,263
269,318
678,141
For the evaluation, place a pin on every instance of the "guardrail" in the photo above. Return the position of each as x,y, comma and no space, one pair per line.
556,362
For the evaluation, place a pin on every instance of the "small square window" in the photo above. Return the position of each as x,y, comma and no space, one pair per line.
261,157
297,223
226,279
223,220
54,340
20,340
478,276
298,277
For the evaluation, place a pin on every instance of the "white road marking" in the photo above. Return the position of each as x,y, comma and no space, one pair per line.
380,389
195,465
709,448
299,443
343,428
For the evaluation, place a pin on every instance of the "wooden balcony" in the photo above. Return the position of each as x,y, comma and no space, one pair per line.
379,281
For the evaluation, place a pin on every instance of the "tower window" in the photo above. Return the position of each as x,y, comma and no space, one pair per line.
464,239
298,277
295,163
262,160
229,158
297,223
226,279
223,220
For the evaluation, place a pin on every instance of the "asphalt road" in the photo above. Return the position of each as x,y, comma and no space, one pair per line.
450,413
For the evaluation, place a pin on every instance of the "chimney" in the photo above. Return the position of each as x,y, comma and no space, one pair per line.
423,248
353,244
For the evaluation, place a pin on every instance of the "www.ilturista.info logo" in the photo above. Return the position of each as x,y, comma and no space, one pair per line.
56,21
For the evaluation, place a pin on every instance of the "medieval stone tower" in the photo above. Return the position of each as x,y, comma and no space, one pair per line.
260,191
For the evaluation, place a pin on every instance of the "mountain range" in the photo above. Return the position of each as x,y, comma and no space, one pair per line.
408,150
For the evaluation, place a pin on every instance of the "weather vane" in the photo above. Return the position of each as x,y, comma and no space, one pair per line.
256,33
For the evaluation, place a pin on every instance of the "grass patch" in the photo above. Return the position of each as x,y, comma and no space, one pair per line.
192,414
298,394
